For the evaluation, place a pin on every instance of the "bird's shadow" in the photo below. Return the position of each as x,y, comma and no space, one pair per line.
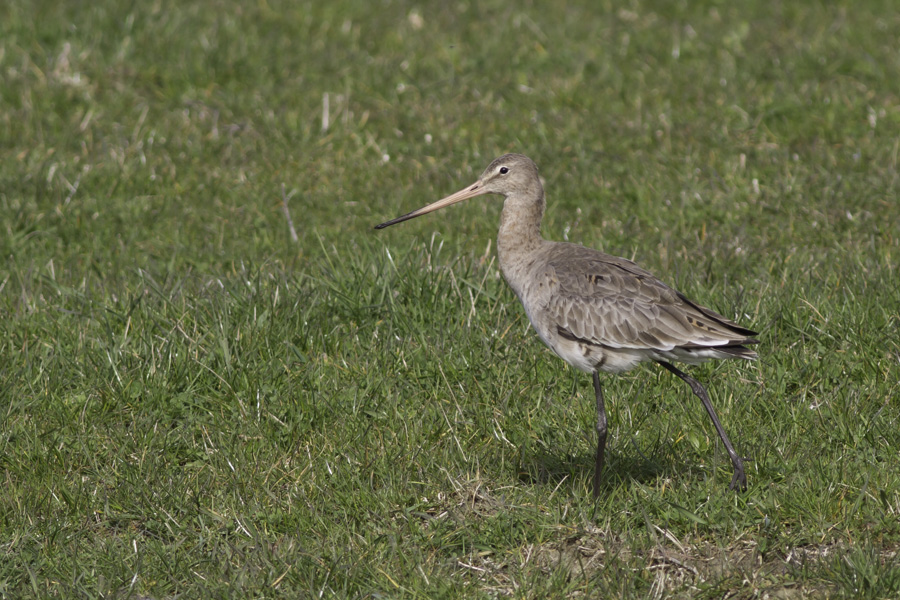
623,467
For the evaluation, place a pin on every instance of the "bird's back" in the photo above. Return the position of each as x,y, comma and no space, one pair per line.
598,311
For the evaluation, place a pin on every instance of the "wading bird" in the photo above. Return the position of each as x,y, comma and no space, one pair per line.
595,311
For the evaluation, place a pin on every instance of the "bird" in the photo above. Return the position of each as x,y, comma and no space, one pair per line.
598,312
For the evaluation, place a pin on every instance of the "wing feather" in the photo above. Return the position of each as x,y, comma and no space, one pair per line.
611,302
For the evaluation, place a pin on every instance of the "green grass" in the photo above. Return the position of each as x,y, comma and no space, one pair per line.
193,405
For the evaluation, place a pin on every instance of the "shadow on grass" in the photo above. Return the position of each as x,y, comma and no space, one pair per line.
543,468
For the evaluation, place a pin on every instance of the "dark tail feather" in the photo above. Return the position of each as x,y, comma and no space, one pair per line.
741,351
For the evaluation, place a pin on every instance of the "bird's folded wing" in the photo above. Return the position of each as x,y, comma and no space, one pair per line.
611,302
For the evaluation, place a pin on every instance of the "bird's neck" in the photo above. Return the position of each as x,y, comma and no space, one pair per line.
520,232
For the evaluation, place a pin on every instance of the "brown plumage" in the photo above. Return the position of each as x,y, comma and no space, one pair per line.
595,311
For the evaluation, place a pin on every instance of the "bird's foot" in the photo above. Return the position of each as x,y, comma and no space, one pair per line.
738,481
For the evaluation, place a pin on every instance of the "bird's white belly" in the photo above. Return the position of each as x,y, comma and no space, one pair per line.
589,358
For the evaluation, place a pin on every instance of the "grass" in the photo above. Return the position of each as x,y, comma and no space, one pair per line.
194,405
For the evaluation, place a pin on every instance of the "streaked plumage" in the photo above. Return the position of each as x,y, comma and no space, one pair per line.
595,311
598,312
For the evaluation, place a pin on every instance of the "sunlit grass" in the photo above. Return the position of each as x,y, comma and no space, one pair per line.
193,405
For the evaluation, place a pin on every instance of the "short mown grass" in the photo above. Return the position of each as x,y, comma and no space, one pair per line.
194,405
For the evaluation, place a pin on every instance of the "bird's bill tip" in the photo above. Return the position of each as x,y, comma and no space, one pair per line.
476,189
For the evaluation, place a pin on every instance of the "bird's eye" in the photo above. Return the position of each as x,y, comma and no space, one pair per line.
504,170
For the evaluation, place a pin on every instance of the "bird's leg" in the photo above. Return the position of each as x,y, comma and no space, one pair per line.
739,480
601,434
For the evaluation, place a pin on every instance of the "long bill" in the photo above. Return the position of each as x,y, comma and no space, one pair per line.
476,189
